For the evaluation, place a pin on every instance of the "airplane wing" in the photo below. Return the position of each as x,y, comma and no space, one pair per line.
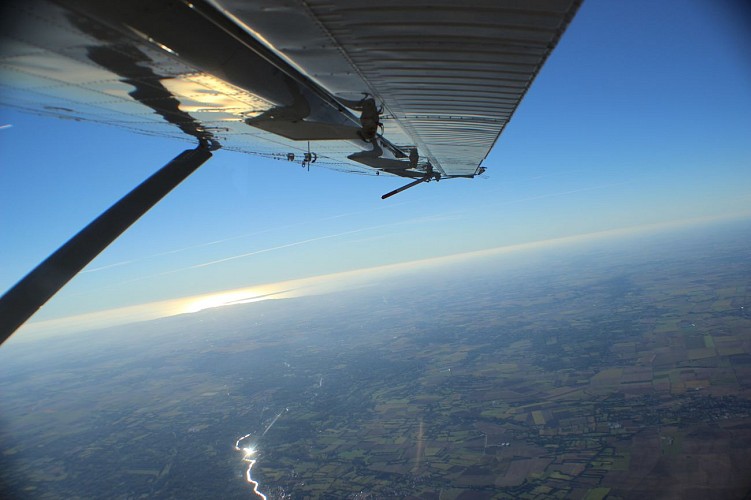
266,77
411,88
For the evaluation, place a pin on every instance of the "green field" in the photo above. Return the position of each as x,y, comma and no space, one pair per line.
605,376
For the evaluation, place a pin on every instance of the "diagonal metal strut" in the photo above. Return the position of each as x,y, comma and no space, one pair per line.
33,291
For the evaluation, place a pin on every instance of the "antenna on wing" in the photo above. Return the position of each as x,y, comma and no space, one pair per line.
309,158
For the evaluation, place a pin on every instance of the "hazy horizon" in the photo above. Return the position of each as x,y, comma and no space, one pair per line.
336,282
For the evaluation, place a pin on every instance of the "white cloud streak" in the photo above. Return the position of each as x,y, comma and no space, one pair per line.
237,237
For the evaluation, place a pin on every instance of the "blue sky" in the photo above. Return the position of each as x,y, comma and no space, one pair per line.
640,116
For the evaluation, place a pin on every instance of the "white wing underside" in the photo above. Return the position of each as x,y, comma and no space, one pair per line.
449,75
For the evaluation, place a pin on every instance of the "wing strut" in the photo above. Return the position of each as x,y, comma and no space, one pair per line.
29,294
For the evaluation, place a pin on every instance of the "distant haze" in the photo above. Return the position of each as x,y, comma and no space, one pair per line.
514,255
